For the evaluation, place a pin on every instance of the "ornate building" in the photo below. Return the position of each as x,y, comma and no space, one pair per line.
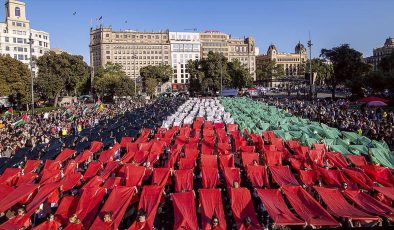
379,53
293,63
16,32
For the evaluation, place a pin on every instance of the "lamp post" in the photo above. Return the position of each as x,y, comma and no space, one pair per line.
221,76
31,74
135,76
310,67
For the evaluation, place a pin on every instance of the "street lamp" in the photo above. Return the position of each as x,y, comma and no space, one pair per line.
134,57
31,74
310,67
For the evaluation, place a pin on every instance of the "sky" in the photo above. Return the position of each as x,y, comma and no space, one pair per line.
364,24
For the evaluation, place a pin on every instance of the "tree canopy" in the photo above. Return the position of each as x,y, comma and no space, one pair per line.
111,81
152,76
348,66
268,69
323,70
15,80
61,74
206,74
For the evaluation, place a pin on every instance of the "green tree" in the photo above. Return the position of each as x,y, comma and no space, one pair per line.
322,70
386,65
348,65
240,76
61,74
207,74
15,80
268,69
112,81
152,76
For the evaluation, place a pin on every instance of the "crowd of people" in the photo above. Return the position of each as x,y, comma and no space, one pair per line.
42,127
375,123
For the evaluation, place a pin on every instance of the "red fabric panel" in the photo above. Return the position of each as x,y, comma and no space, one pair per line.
227,161
277,208
282,175
144,135
140,157
117,203
334,178
358,161
258,176
5,189
48,225
31,165
109,168
247,148
64,155
211,205
308,208
82,157
224,148
209,161
51,164
232,127
210,177
26,178
95,146
359,177
248,158
268,135
41,196
316,157
133,147
89,204
273,158
297,162
161,176
387,191
242,207
293,144
124,141
310,177
180,140
207,148
158,147
71,180
185,216
208,133
183,180
380,174
70,168
339,207
128,156
176,150
150,200
10,176
191,151
187,163
109,154
321,147
336,159
369,204
232,175
74,227
67,207
16,196
133,174
94,182
92,170
49,176
112,182
145,146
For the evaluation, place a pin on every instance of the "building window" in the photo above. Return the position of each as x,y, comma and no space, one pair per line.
17,11
7,39
7,48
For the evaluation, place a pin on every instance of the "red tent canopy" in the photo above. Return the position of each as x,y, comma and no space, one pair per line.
308,208
212,205
369,99
277,208
185,216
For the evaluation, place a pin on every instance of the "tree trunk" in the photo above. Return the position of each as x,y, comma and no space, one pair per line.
56,99
334,86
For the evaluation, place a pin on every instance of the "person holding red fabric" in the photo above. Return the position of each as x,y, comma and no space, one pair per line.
50,224
141,220
108,221
20,220
75,223
215,223
247,224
